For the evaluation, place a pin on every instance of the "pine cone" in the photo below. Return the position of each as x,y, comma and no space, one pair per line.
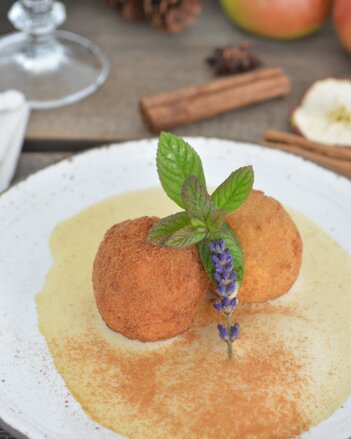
172,15
232,59
130,10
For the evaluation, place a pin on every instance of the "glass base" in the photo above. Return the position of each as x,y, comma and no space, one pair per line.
52,72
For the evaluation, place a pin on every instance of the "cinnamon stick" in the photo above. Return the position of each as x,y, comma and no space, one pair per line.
181,107
293,139
339,165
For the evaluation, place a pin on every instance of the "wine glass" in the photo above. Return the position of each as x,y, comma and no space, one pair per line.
51,68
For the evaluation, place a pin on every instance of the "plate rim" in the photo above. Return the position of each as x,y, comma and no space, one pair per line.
106,146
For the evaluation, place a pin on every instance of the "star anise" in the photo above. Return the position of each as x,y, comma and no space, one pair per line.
233,59
172,15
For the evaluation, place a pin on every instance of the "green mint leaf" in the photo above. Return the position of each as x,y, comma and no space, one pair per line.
228,236
234,190
205,257
165,227
196,201
176,160
197,223
215,220
185,237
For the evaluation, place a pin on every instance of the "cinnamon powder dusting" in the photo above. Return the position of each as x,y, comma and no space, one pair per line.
190,389
290,369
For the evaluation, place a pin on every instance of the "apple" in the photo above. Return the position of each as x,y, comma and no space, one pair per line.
324,114
342,21
281,19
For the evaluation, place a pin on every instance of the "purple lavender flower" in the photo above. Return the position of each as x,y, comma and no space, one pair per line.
223,332
223,261
235,331
225,282
226,305
225,279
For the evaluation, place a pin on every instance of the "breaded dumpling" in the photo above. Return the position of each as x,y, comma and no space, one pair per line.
146,292
272,247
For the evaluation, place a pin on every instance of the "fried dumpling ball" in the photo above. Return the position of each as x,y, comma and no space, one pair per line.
143,291
272,247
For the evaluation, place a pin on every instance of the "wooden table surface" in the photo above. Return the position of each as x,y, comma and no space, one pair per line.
144,61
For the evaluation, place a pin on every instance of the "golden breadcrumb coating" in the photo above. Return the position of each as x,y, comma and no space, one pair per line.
272,247
144,291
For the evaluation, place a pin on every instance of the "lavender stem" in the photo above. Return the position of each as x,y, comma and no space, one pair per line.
230,340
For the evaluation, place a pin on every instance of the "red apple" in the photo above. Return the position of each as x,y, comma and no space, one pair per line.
281,19
342,21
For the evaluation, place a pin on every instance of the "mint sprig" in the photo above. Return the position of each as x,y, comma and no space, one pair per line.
176,160
203,221
182,177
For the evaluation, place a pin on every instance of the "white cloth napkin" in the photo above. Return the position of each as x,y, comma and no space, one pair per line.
14,114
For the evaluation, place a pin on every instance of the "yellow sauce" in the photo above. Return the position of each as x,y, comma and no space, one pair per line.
291,366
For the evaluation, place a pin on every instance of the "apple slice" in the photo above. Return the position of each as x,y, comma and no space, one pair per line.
324,114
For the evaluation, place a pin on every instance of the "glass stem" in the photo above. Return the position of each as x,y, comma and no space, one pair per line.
37,18
38,13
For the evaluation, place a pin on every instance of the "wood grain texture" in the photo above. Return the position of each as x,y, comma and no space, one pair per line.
145,62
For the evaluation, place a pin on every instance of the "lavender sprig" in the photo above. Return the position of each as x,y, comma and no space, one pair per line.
225,279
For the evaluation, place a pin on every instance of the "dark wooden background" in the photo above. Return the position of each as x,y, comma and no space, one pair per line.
144,62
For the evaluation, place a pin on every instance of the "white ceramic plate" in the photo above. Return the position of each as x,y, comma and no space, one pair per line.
34,400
